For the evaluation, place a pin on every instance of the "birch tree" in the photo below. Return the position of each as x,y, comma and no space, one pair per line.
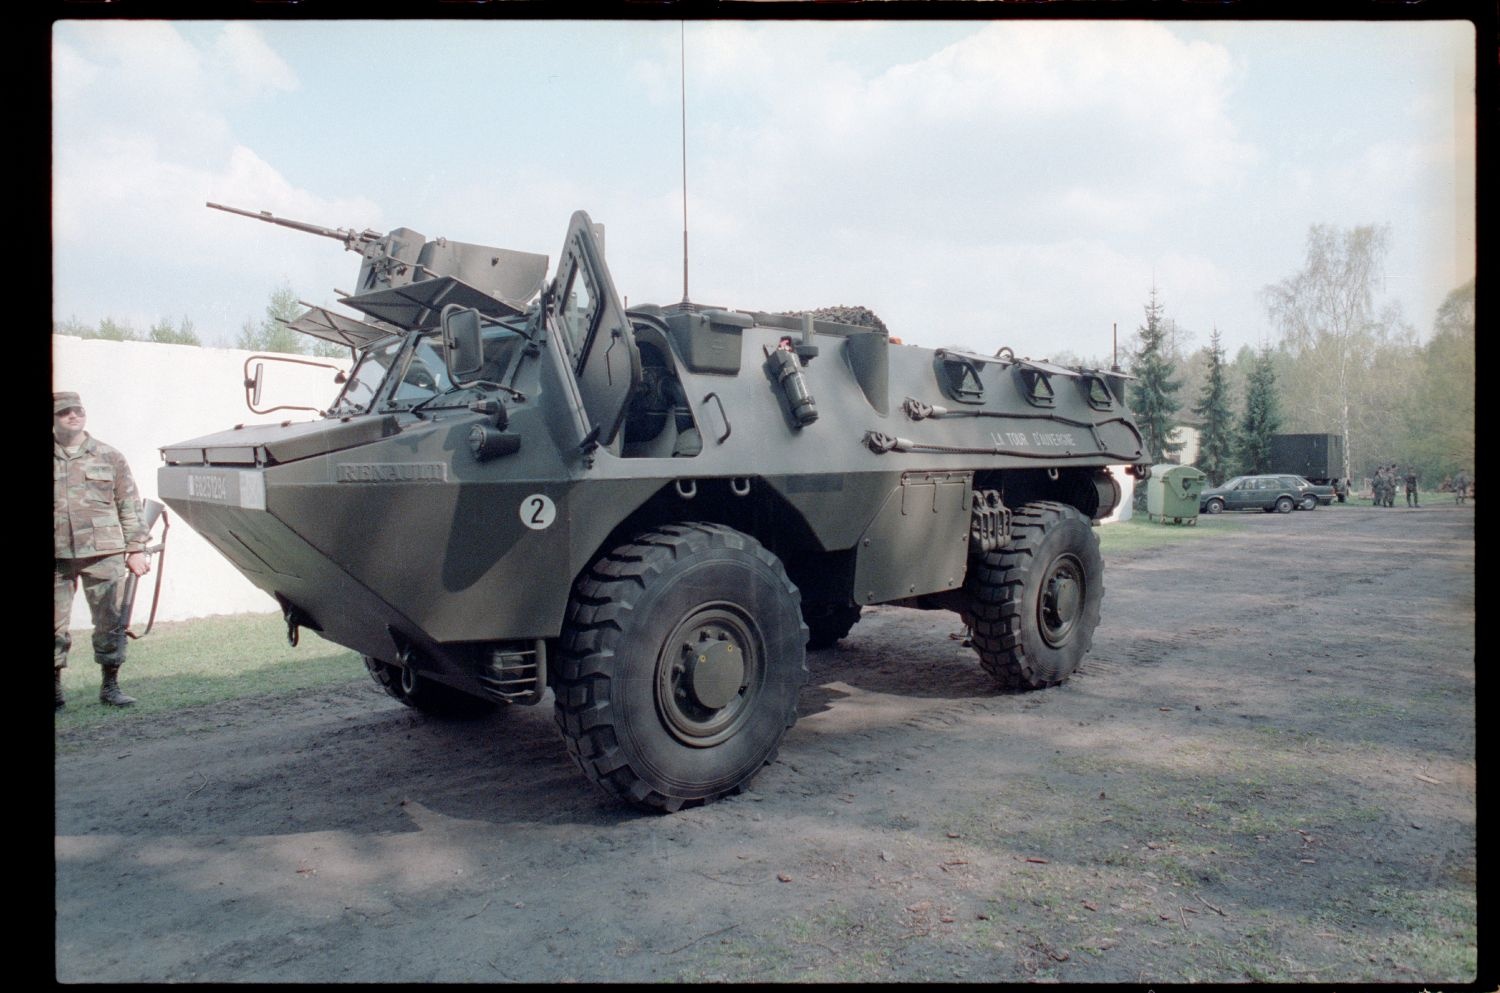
1330,327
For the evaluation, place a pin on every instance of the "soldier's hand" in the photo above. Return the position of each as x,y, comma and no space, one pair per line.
138,563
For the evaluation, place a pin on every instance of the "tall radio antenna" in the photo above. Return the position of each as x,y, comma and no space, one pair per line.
682,99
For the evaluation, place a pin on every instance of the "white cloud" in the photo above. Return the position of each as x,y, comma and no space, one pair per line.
1053,126
249,65
1024,155
141,142
1025,180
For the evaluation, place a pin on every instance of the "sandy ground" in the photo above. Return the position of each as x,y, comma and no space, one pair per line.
1263,771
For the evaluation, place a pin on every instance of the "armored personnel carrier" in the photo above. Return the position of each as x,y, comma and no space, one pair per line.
653,511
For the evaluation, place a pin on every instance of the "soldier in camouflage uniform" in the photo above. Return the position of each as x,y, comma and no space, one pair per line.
1388,485
99,534
1460,486
1412,499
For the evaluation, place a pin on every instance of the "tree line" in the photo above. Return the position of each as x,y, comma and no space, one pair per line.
1341,363
269,334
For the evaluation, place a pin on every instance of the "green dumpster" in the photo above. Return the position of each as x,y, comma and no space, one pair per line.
1172,494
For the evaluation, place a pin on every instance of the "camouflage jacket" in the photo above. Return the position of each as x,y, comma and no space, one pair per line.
95,507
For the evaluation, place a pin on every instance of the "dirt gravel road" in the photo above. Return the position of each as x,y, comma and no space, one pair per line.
1263,771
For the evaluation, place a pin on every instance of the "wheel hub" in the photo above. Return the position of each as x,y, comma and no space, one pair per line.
715,670
1061,601
707,675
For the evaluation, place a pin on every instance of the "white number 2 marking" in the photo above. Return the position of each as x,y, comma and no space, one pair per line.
538,511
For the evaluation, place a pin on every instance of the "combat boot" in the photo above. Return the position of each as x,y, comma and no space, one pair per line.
109,691
57,690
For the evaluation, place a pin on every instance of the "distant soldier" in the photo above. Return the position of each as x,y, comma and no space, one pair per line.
99,535
1460,486
1411,487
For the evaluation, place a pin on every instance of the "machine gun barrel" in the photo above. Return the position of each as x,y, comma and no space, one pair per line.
352,240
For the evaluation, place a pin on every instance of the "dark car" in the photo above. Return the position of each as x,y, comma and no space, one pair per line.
1313,494
1266,493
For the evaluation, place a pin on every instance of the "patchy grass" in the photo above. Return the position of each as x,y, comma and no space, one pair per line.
208,660
1138,532
214,659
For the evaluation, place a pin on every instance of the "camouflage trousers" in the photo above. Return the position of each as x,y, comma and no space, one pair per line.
103,581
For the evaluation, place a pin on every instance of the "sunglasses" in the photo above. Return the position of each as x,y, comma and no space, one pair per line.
70,411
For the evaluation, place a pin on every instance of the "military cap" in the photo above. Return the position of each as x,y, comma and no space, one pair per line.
62,401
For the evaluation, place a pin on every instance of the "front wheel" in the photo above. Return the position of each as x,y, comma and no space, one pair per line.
1033,605
682,655
1214,506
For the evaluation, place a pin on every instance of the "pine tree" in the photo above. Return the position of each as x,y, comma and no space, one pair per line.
1216,442
1262,416
1153,395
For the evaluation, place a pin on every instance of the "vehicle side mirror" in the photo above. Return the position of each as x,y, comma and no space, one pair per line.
254,378
253,383
463,348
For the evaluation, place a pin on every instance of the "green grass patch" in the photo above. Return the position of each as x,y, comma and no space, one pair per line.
1138,532
208,660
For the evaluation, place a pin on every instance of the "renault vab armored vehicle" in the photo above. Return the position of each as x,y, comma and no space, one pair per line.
655,511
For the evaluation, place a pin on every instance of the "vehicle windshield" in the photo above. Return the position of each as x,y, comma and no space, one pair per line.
1233,483
423,377
365,378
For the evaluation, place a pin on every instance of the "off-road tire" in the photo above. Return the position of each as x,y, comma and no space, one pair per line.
828,623
680,661
427,695
1032,606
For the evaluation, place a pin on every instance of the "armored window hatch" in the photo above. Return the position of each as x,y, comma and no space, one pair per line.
324,324
419,305
1097,391
958,375
1037,388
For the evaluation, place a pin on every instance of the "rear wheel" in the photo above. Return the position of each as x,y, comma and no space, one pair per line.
427,695
1284,505
1310,502
1032,606
828,623
682,655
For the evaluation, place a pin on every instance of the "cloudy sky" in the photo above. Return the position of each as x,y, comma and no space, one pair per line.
975,183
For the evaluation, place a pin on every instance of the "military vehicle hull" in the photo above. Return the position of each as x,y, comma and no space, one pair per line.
666,497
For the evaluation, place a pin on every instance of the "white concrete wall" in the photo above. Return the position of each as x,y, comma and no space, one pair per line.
1127,490
140,396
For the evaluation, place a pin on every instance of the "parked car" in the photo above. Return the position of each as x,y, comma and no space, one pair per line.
1312,493
1266,493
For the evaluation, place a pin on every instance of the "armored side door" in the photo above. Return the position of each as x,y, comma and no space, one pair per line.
584,314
